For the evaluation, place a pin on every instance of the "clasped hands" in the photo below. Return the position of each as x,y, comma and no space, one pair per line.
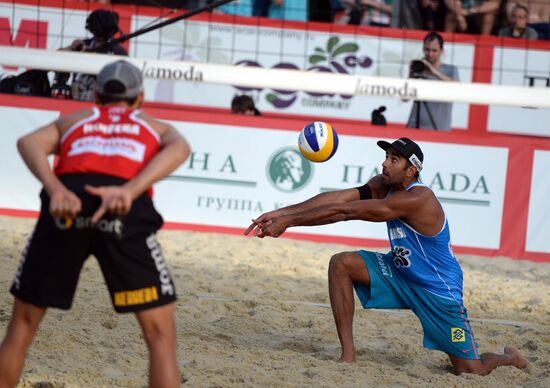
116,200
267,225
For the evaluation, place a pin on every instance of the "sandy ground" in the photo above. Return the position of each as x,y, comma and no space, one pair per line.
254,313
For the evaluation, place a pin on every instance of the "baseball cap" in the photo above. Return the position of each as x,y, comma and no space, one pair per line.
119,79
407,148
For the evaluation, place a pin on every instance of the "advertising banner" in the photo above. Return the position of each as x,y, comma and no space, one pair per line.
20,188
538,227
236,173
247,171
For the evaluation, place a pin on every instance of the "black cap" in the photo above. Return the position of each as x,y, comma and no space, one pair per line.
407,148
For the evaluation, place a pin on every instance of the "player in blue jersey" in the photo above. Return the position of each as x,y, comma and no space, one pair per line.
420,273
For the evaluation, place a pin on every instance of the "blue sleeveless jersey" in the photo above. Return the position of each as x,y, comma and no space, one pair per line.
427,261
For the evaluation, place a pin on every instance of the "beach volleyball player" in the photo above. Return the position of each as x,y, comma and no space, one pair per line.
98,201
420,273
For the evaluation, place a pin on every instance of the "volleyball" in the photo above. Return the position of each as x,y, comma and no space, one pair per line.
318,141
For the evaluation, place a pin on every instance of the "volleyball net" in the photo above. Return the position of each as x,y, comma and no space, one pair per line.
285,79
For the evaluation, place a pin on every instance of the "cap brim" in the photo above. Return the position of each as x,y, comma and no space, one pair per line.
383,144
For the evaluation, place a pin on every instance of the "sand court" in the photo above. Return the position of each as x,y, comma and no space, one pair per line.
255,312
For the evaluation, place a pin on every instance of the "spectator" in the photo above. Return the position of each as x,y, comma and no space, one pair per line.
368,12
432,14
277,9
324,10
244,105
539,12
261,7
237,7
158,3
518,25
103,24
539,18
288,10
432,115
471,16
406,14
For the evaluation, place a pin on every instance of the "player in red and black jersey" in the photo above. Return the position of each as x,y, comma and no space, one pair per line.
98,201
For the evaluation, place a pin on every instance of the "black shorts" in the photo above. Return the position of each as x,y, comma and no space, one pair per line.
125,246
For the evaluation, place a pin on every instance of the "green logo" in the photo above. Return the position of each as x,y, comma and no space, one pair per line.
288,170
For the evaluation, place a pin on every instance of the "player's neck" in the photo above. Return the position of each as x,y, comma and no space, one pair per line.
403,185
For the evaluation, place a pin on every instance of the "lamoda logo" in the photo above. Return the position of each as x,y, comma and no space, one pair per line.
288,170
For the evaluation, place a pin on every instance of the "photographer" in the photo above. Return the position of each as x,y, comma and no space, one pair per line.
103,24
428,114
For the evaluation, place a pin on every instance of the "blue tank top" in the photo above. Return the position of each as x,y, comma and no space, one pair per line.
426,260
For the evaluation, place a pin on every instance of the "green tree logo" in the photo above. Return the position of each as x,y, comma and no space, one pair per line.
288,170
334,50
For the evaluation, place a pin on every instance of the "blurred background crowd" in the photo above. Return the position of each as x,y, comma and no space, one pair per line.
527,19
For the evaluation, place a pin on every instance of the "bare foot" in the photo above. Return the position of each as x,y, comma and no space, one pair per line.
520,361
348,359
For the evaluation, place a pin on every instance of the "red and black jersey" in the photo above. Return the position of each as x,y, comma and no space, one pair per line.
112,141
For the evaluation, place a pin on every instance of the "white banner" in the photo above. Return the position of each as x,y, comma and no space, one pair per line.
527,68
236,173
20,188
538,226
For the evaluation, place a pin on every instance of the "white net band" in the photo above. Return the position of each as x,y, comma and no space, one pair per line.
294,80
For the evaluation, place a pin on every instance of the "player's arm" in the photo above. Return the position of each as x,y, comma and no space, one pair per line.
34,148
374,188
338,196
399,204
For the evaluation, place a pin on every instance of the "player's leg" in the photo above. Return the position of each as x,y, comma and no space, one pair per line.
159,331
489,361
139,281
23,325
345,268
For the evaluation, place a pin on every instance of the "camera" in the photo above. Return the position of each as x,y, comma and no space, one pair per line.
417,68
377,118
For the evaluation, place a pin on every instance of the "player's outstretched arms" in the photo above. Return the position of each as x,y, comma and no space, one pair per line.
340,196
398,205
